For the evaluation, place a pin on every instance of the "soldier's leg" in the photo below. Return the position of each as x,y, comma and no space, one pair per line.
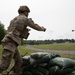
9,47
18,62
5,60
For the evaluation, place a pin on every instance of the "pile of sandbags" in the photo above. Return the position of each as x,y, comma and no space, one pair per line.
43,63
61,66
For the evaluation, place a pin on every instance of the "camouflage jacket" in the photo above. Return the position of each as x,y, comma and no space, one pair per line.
18,25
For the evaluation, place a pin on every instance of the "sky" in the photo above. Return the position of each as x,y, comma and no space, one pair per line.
57,16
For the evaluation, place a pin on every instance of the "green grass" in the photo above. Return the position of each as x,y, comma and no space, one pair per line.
23,50
64,46
0,50
68,56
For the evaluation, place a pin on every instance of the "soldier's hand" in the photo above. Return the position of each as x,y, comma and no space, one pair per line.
43,29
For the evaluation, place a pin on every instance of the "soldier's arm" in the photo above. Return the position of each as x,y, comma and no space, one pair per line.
31,24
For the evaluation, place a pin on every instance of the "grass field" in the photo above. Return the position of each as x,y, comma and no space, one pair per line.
62,46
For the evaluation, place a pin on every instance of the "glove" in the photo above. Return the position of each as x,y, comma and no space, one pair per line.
43,29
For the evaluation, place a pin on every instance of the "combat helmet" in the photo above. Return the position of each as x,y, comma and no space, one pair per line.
23,8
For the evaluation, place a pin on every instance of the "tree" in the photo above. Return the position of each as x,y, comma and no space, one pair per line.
2,31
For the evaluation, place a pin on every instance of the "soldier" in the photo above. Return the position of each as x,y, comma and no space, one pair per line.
16,29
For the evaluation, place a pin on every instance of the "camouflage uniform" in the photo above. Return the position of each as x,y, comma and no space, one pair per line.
12,39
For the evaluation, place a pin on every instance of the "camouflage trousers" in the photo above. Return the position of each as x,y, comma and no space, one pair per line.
10,52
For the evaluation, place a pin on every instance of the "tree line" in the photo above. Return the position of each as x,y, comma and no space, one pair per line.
2,31
37,42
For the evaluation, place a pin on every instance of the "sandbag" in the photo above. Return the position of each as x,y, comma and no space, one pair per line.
47,58
27,73
54,70
70,74
66,71
43,70
26,58
36,72
38,55
26,61
62,62
43,57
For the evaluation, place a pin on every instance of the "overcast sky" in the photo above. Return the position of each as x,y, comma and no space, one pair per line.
57,16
